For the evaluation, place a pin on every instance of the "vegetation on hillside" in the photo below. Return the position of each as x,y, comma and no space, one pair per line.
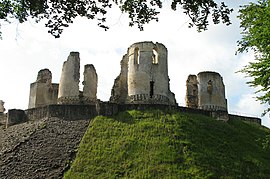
154,144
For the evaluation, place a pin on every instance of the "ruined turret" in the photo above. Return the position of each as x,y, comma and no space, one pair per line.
69,81
90,84
206,91
192,92
144,76
211,91
43,92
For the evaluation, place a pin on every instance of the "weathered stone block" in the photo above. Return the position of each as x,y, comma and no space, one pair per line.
2,109
43,92
15,116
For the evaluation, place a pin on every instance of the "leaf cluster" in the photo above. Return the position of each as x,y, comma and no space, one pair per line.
61,13
256,37
200,10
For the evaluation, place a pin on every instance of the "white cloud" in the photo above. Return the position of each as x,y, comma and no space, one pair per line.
249,106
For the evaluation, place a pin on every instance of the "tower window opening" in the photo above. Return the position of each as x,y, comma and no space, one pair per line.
155,56
210,86
136,56
151,89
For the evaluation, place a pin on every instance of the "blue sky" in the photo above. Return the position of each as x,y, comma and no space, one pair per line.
27,48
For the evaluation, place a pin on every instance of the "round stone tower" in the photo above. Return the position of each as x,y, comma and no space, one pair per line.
148,80
211,91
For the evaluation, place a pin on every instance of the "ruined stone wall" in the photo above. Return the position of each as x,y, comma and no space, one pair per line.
119,90
245,118
81,112
192,92
2,108
69,81
67,112
15,116
211,91
3,119
43,92
90,85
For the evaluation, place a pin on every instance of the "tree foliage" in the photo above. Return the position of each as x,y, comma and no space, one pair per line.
256,37
60,13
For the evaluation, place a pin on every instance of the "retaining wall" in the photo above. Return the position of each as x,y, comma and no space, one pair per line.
79,112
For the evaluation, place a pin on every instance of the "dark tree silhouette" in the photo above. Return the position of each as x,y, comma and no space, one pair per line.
60,13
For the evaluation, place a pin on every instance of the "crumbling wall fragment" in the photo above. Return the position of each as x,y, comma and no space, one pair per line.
43,92
211,91
2,108
119,91
192,92
90,84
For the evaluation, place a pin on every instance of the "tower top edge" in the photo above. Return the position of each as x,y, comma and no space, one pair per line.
148,43
73,53
208,73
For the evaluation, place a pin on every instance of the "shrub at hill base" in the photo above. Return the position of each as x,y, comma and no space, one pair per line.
154,144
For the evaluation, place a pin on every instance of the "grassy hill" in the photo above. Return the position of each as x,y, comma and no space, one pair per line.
154,144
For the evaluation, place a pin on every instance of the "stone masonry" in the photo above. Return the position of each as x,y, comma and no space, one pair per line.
69,81
206,91
119,91
2,109
144,76
43,92
2,114
192,92
90,84
69,92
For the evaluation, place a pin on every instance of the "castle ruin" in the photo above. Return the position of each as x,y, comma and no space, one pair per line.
43,92
206,91
143,83
144,76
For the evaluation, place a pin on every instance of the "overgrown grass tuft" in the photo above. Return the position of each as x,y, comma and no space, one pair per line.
154,144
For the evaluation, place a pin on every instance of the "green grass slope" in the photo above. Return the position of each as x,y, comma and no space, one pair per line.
154,144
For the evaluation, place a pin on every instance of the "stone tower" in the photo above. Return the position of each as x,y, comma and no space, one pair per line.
69,81
90,84
144,75
192,92
206,91
43,92
211,91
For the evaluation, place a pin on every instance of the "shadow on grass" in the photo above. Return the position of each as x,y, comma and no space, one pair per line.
124,117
